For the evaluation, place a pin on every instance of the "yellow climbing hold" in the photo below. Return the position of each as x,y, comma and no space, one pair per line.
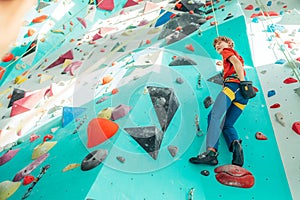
70,166
66,63
42,149
105,113
8,188
20,79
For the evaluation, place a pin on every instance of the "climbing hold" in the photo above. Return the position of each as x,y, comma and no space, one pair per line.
173,150
275,105
121,159
120,111
29,168
2,71
47,137
208,101
102,99
42,149
39,19
296,127
70,167
93,159
106,79
70,113
33,137
82,21
105,113
8,57
182,60
260,136
31,32
99,130
271,93
190,47
249,7
28,179
179,80
8,156
269,3
280,61
279,118
290,80
205,172
8,188
233,175
20,79
115,91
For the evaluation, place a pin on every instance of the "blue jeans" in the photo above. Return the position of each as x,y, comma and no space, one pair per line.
230,104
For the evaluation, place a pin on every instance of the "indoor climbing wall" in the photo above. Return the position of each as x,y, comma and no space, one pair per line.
109,100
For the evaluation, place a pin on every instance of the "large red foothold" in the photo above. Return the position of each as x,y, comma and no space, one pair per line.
290,80
296,127
235,176
99,130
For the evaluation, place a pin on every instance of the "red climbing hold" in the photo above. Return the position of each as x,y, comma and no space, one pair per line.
249,7
2,71
190,47
99,130
296,127
290,80
260,136
255,89
106,4
47,137
7,57
235,176
275,105
28,179
40,19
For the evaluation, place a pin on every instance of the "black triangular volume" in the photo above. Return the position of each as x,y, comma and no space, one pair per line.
218,79
16,95
182,60
165,104
150,138
31,49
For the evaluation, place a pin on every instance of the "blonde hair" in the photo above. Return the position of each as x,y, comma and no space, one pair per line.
224,39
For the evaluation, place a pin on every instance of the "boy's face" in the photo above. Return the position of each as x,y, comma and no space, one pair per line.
221,45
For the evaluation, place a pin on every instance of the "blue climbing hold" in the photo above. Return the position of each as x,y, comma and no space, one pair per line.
70,113
271,93
257,9
164,18
280,61
269,3
255,20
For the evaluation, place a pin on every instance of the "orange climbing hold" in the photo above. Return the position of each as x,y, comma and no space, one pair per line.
106,79
30,32
115,91
8,57
148,41
39,19
99,130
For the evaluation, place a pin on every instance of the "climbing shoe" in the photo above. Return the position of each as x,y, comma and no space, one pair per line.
208,157
238,155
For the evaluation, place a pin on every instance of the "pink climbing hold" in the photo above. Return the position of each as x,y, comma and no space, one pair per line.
106,4
249,7
290,80
275,105
82,21
296,127
260,136
130,3
33,137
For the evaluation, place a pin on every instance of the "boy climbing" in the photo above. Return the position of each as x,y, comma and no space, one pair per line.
230,103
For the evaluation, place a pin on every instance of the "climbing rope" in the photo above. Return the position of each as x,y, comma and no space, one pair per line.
216,21
278,40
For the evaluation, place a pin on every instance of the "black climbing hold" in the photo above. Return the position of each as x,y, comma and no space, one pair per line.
208,101
93,159
205,172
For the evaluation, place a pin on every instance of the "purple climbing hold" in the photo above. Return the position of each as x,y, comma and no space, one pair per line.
120,111
8,156
173,150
